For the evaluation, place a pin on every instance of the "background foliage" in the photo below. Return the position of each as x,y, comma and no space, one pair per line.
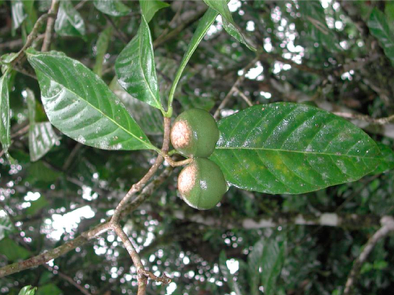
336,54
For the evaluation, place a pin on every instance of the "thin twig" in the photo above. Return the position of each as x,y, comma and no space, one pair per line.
236,84
32,36
387,227
50,24
68,279
378,121
56,252
244,97
173,163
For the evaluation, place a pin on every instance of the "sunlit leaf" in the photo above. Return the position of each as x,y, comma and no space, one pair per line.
271,264
5,138
69,22
150,7
378,26
135,68
81,105
286,148
42,137
18,13
112,7
228,21
28,290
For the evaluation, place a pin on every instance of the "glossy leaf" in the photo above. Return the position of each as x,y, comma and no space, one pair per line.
286,148
318,29
254,263
271,264
228,22
226,273
101,50
112,7
135,68
204,24
42,137
18,13
378,26
69,22
28,290
387,160
5,138
150,119
81,105
150,7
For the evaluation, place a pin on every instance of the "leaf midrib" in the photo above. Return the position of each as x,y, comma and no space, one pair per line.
295,151
98,110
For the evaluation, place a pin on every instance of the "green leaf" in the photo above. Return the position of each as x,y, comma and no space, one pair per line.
286,148
81,105
101,50
228,21
5,138
12,250
149,118
150,7
69,22
135,68
27,290
226,273
37,206
204,24
317,26
49,289
378,26
387,159
112,7
6,226
18,13
271,264
42,137
254,263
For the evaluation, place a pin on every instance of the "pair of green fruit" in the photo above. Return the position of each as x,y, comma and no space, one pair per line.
194,134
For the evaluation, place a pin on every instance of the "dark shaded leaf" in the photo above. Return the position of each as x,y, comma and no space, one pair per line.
271,264
12,250
378,25
286,148
101,50
254,263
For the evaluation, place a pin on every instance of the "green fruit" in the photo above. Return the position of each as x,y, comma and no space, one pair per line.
202,184
195,133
